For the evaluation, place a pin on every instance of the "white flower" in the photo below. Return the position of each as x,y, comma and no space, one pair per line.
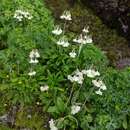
32,73
99,84
91,73
20,15
96,83
38,103
76,77
72,54
75,109
27,15
60,42
70,78
76,40
57,30
80,39
83,39
34,54
63,42
85,30
44,88
66,44
88,39
98,92
66,15
35,61
52,125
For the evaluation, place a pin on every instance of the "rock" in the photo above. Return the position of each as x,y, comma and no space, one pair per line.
9,118
115,13
122,63
4,119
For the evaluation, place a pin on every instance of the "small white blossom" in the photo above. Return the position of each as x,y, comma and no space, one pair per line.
38,103
32,73
63,42
44,88
33,61
52,125
96,83
76,40
85,30
80,39
72,54
88,39
99,92
83,39
66,15
20,15
91,73
99,84
76,77
57,30
34,54
75,109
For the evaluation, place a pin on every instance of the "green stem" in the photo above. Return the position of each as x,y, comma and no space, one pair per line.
77,94
72,89
80,48
87,98
69,116
64,28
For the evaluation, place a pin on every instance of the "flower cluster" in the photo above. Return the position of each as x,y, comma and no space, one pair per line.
91,73
72,54
83,39
77,76
85,30
44,88
57,30
75,109
20,15
52,125
66,15
31,73
63,42
34,55
100,85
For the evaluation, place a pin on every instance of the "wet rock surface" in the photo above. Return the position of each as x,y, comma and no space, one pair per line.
114,13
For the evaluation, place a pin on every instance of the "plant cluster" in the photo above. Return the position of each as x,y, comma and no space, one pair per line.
68,78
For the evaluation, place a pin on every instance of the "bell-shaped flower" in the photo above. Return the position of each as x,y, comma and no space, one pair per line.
57,30
75,109
72,54
66,15
91,73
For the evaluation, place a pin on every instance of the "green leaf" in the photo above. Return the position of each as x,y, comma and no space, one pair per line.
60,105
52,109
125,125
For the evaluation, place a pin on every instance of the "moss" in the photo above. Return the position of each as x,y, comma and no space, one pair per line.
29,120
2,127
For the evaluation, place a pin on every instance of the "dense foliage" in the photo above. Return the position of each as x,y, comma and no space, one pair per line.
52,86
